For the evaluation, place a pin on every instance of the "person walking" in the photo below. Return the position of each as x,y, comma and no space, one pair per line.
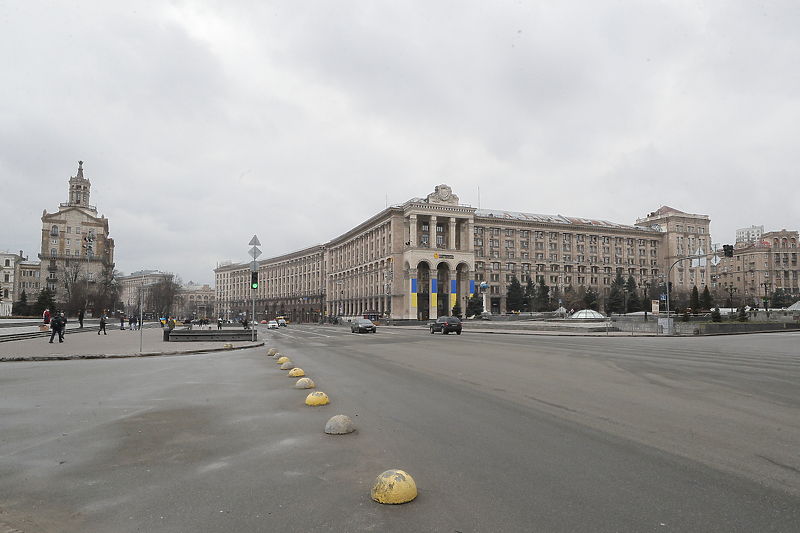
102,325
80,318
130,323
63,327
122,323
46,316
54,325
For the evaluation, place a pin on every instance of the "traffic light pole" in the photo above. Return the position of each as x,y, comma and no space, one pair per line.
669,272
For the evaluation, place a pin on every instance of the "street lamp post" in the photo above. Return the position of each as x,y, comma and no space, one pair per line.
89,251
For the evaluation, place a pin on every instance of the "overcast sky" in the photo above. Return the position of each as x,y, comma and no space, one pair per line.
203,123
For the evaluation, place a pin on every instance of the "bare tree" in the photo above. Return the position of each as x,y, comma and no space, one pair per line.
69,279
107,292
164,295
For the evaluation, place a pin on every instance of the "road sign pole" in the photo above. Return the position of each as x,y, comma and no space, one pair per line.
254,253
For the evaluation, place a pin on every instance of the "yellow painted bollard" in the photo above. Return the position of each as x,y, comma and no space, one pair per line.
287,365
272,351
296,373
393,487
317,398
283,360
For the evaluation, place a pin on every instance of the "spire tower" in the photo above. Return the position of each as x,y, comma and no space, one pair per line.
79,189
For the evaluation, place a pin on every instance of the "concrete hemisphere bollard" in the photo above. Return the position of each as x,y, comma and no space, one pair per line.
272,351
283,360
277,355
317,398
394,487
339,425
304,383
296,373
287,365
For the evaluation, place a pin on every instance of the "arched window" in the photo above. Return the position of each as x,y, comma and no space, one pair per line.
54,231
8,262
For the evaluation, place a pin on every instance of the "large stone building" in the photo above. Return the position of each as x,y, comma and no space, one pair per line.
75,245
416,260
758,269
134,288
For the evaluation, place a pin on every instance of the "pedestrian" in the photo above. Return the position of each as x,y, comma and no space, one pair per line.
122,323
46,316
62,329
54,323
219,323
80,318
130,323
102,325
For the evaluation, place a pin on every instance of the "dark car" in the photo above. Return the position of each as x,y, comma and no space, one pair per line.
446,324
362,325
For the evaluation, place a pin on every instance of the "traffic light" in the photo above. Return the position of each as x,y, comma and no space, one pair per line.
254,280
727,250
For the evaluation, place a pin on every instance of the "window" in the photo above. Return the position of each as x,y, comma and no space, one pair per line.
54,231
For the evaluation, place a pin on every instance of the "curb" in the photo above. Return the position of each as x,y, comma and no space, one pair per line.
122,355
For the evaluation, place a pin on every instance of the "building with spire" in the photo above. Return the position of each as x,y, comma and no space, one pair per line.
77,252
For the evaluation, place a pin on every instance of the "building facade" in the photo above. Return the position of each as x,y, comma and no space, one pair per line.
685,235
197,301
751,234
75,245
758,269
134,287
416,260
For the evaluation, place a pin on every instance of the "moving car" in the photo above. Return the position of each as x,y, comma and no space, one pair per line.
272,324
446,324
282,322
362,325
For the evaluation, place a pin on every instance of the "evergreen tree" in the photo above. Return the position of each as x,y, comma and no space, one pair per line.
21,307
694,301
616,298
716,316
46,300
475,305
542,296
515,296
457,309
530,293
590,300
742,316
706,301
634,303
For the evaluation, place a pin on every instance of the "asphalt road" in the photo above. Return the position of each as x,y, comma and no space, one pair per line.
502,433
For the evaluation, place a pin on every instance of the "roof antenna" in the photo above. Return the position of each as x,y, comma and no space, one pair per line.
479,197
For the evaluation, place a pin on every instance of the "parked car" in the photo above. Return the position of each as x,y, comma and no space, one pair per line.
282,322
446,324
362,325
272,324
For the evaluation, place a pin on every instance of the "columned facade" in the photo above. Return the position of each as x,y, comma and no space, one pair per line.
417,260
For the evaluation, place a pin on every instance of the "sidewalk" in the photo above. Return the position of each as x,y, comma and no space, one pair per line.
87,344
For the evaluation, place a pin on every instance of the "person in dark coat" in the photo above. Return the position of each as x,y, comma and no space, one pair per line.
102,325
57,325
80,318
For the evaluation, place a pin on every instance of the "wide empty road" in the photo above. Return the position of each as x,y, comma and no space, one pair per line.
502,433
